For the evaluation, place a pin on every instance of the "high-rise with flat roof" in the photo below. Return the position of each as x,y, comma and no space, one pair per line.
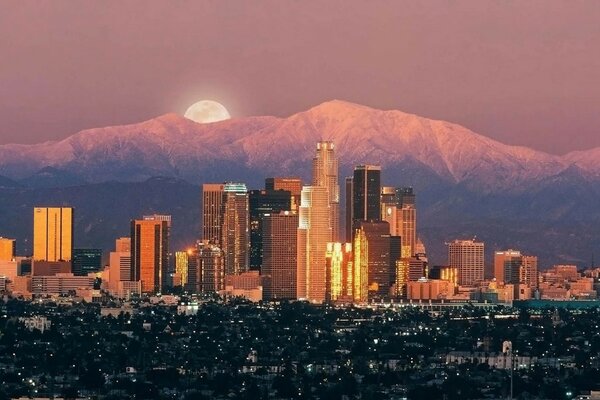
235,234
7,249
314,232
150,253
52,233
280,241
263,202
366,192
86,261
467,256
212,212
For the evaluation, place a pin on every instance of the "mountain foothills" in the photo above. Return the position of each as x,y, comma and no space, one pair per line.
466,184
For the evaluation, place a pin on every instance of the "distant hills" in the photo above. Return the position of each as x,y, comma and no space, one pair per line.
467,184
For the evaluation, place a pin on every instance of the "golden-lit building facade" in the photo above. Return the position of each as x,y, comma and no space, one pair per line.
402,268
150,253
181,266
212,212
52,233
398,209
7,249
360,274
325,174
339,258
314,232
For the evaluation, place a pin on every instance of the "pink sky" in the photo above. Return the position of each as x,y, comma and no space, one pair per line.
522,72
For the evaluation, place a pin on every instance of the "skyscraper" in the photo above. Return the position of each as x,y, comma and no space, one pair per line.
291,184
398,209
325,174
366,192
339,259
467,256
212,212
373,260
150,253
7,249
263,202
211,276
314,232
280,241
52,233
235,235
225,223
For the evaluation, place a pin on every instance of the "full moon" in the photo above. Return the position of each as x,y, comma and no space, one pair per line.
207,111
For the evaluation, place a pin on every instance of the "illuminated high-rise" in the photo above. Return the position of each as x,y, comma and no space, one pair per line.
7,249
212,212
398,209
280,241
225,223
53,233
339,259
325,174
150,253
467,256
314,232
211,276
235,233
374,261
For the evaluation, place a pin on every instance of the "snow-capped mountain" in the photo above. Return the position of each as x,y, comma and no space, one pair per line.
171,145
467,184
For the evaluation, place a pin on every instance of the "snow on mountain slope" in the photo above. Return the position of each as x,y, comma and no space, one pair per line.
171,145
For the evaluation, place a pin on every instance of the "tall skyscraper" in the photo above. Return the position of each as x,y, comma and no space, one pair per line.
235,241
339,259
373,260
314,232
150,253
291,184
398,209
468,257
52,233
366,192
325,174
225,223
211,275
212,212
280,252
86,261
263,202
7,249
